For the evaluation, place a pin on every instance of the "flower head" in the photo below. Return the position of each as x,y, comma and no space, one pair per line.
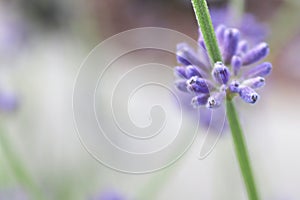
238,74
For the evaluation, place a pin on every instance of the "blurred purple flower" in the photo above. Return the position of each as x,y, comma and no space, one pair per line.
8,102
13,32
209,83
250,28
109,195
13,194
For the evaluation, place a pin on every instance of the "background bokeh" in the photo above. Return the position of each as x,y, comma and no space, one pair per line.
43,43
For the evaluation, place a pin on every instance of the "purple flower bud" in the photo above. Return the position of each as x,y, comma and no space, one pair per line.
199,85
194,71
255,83
179,72
231,39
248,94
236,63
220,30
199,100
215,100
221,73
242,47
262,70
187,56
234,86
181,85
255,54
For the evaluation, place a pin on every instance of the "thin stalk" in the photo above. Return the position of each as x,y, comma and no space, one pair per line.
241,150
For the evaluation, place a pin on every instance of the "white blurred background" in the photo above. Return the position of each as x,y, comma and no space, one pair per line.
43,43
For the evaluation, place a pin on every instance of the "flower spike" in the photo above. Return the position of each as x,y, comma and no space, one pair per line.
209,83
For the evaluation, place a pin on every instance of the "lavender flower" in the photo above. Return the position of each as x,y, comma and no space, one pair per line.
209,83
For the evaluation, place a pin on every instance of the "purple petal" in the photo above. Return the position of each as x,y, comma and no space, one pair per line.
220,30
199,85
202,44
242,47
234,86
231,39
199,100
236,63
194,71
221,73
262,70
187,56
180,72
248,95
215,100
255,54
181,85
255,83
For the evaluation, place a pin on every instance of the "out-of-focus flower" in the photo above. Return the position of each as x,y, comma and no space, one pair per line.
13,32
109,195
250,29
209,83
8,101
13,194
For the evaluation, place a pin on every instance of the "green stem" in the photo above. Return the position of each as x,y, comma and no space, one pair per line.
17,167
241,150
204,22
